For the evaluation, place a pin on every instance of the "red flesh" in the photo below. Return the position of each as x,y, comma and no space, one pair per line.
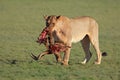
42,38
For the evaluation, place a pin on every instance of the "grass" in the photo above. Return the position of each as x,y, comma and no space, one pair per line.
21,21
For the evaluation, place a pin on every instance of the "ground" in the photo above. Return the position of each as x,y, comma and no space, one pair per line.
21,21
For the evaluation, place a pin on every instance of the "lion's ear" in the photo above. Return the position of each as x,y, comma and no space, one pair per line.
58,16
45,17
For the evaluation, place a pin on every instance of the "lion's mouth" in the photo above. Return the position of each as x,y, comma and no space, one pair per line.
56,47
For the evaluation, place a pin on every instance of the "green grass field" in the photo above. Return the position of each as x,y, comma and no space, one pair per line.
21,21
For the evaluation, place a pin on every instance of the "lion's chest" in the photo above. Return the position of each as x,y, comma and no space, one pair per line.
58,37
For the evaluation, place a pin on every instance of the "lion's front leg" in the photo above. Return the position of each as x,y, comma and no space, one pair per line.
66,56
58,57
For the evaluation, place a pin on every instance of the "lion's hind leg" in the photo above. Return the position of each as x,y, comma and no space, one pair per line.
86,45
95,42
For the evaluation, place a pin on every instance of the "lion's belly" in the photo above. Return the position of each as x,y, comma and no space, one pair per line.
79,32
77,37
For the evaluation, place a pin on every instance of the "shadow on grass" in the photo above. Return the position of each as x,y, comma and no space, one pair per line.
14,61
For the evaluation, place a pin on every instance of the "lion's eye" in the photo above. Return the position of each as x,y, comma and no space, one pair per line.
53,24
49,24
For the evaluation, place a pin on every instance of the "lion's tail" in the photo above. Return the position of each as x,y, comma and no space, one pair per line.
104,54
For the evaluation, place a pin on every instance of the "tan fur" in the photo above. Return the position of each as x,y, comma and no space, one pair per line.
68,31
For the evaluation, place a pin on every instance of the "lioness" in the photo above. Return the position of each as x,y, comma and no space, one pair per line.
72,30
